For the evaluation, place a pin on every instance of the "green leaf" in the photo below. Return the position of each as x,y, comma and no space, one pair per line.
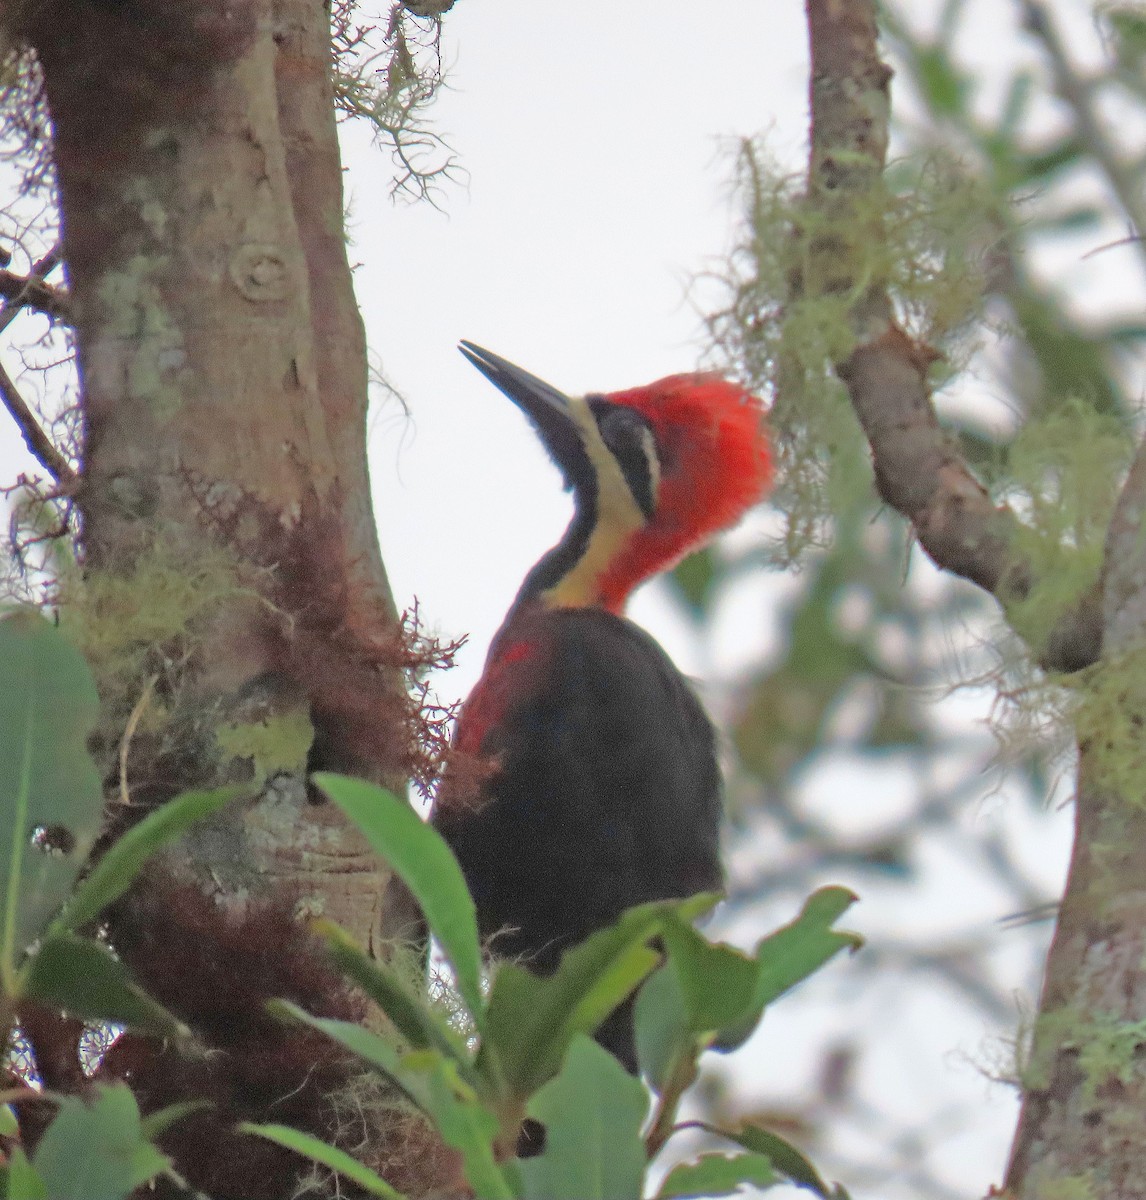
426,865
466,1125
9,1126
783,1156
713,993
24,1182
718,982
531,1019
662,1026
718,1175
52,800
440,1086
85,980
367,1045
805,944
97,1151
793,953
114,873
593,1112
437,1085
411,1015
320,1152
156,1123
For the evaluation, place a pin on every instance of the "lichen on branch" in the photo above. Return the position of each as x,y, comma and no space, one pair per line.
858,283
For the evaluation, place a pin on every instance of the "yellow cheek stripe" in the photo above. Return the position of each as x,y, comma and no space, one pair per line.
618,518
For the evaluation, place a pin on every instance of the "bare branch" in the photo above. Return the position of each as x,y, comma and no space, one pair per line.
918,470
27,291
30,291
391,88
34,437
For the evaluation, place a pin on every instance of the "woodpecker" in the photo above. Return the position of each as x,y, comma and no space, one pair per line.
602,788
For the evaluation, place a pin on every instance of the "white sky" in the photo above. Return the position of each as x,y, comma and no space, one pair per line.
596,139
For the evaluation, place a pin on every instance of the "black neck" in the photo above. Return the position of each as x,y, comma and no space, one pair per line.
555,564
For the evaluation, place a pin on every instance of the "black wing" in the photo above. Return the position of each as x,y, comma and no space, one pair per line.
607,792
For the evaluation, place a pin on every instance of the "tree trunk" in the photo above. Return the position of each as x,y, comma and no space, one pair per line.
1082,1130
223,376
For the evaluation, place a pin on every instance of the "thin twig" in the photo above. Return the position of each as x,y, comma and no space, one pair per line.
1080,97
128,733
34,437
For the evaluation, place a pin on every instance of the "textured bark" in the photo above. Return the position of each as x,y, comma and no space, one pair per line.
223,385
1083,1121
314,173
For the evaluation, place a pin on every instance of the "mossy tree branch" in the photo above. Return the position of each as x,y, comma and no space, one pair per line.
918,468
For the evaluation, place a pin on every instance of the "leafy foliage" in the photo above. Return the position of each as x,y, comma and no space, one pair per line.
97,1150
533,1057
718,1175
47,707
84,979
324,1154
960,236
593,1113
91,1151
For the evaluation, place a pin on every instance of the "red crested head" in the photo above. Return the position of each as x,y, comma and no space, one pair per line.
656,472
715,464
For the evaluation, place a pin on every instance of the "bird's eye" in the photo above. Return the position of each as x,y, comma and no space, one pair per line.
631,442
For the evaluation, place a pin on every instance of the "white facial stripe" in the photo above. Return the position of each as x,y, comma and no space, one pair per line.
618,516
649,445
614,499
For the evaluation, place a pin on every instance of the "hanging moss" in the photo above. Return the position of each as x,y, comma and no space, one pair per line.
1063,472
792,286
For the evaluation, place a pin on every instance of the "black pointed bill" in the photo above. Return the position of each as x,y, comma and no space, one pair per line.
547,409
